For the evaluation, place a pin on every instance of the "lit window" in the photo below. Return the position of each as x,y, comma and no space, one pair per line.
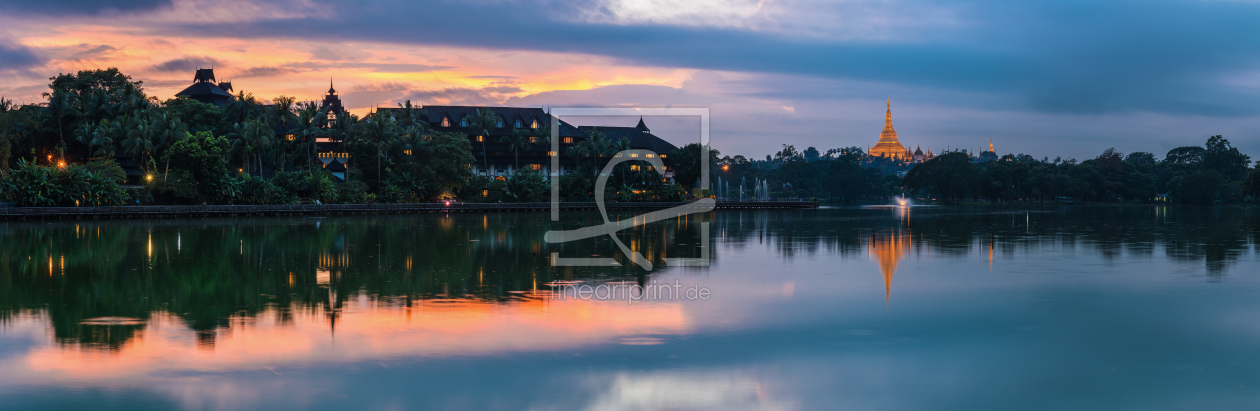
480,139
651,155
485,193
634,168
568,140
551,153
533,140
662,156
535,167
534,124
407,152
634,155
446,122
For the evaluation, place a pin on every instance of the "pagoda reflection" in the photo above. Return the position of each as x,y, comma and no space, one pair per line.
888,248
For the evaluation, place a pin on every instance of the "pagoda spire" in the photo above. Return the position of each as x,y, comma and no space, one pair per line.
331,90
888,144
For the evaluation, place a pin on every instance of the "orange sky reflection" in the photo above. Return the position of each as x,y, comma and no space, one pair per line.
364,331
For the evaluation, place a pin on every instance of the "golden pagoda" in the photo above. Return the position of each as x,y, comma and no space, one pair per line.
889,146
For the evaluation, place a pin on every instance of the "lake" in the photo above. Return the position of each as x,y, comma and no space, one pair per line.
888,308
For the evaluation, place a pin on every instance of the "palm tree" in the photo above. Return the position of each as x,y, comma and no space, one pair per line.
414,141
139,141
482,122
250,140
243,108
520,140
596,146
412,115
380,130
94,136
306,131
62,104
169,132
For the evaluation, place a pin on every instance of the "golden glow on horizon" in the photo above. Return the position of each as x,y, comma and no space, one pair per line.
375,74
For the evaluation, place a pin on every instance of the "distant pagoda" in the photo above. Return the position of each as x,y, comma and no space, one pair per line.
889,146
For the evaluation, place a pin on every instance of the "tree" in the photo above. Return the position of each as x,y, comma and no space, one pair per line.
811,154
1185,155
1224,158
447,162
242,109
1202,188
949,176
380,131
203,157
168,132
250,140
61,104
197,115
482,122
517,142
306,132
1251,186
686,163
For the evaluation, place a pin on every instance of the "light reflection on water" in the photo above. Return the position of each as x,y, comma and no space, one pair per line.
986,308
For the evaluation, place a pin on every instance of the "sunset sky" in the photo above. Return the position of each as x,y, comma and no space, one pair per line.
1048,78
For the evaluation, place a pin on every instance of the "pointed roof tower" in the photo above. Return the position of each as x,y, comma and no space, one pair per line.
642,128
888,145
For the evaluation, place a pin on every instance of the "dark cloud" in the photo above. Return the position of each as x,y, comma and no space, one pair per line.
463,96
81,7
374,67
17,57
371,95
88,51
262,72
1088,57
188,63
330,53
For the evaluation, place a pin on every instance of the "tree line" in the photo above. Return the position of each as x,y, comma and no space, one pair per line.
62,153
192,152
1214,173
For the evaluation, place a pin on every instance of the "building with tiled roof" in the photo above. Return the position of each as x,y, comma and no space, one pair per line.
205,90
496,158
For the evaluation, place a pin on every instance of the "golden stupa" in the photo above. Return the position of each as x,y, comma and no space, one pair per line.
888,145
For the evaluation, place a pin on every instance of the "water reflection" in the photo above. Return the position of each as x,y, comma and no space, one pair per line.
208,272
888,248
116,302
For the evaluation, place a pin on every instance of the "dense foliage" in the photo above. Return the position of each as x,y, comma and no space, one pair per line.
1215,173
249,152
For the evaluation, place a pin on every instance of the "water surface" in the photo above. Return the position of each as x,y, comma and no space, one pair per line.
838,308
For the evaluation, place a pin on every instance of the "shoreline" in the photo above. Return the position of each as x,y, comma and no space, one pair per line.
79,213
